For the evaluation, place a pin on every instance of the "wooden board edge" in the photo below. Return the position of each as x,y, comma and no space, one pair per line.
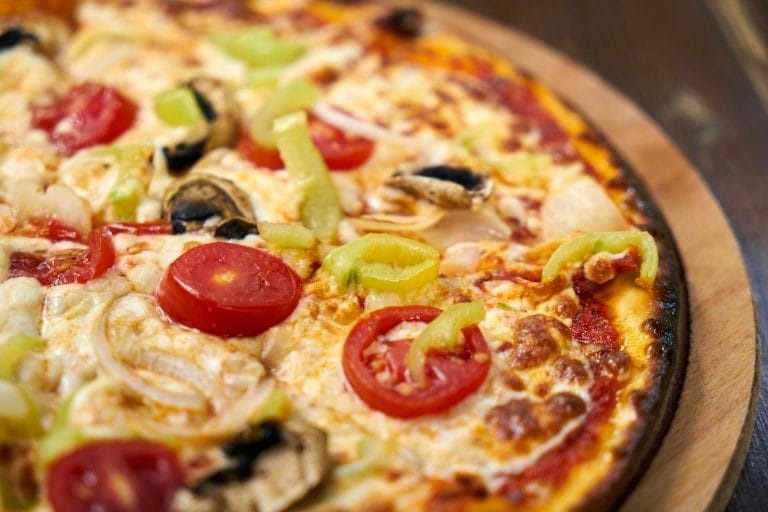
577,85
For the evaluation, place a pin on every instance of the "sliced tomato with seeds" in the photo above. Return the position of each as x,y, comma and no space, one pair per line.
140,228
69,266
50,228
340,151
377,370
115,476
229,290
88,114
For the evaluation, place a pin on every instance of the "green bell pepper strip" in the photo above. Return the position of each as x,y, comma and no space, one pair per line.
441,334
19,414
62,436
258,47
13,349
319,206
584,246
384,262
178,107
297,95
372,455
286,236
132,182
267,76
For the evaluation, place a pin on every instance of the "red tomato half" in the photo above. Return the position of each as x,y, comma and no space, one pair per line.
229,290
140,228
379,374
64,267
340,151
115,476
94,114
50,228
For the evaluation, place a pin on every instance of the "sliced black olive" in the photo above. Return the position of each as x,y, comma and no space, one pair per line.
449,187
402,21
215,102
235,228
15,36
194,202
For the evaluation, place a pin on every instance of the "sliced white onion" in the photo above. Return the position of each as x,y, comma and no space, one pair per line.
366,129
397,223
466,226
26,198
231,420
66,206
579,205
179,368
117,370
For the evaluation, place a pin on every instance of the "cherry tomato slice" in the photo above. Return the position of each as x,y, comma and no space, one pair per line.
64,267
380,377
229,290
115,476
89,114
339,150
257,154
50,228
140,228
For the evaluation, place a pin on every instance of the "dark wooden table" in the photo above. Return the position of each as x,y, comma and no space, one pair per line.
700,69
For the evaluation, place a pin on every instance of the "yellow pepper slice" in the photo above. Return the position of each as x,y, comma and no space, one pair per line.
584,246
319,206
441,334
19,415
384,262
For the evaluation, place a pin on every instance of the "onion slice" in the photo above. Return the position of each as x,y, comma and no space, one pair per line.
397,223
366,129
237,415
116,369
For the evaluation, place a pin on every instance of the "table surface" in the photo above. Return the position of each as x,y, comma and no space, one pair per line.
700,69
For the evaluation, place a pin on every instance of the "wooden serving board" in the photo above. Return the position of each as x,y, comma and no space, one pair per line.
702,454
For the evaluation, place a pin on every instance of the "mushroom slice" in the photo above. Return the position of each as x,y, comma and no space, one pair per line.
215,102
449,187
267,468
200,201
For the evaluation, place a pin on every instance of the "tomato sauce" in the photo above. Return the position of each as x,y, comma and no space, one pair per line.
555,465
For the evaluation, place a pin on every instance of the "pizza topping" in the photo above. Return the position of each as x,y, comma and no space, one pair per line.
134,173
124,476
258,47
202,201
14,349
449,187
214,102
319,206
378,372
402,21
229,290
443,334
281,235
267,467
592,325
297,95
381,261
64,267
178,107
536,339
88,114
584,246
15,36
521,419
19,414
52,213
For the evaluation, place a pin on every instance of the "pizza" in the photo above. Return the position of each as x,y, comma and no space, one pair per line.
315,255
